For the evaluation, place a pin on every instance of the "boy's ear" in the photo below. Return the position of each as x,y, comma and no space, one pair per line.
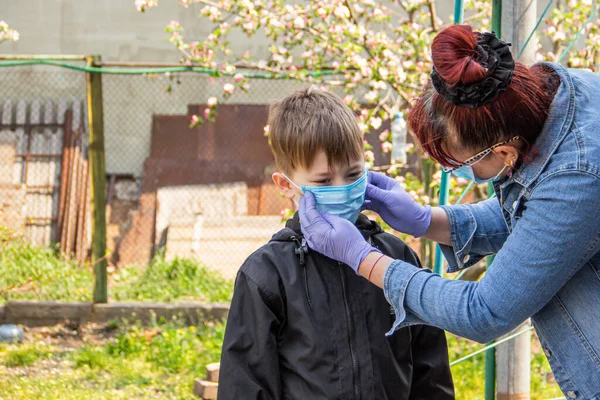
283,184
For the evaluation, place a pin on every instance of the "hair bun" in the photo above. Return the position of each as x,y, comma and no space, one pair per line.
454,54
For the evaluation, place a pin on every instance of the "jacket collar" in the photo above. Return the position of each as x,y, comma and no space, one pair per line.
367,227
556,127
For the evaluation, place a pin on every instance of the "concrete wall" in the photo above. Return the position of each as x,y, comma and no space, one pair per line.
112,28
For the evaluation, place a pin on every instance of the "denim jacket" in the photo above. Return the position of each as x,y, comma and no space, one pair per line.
544,226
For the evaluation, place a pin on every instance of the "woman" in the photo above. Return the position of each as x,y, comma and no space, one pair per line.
535,133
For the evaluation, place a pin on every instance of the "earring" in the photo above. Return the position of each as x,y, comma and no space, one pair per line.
511,166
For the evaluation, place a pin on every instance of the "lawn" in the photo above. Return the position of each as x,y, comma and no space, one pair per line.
108,361
128,361
33,273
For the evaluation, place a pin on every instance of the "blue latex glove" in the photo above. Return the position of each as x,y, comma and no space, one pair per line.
397,208
332,236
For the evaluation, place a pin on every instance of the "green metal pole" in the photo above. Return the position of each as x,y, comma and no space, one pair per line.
490,355
497,17
459,13
98,179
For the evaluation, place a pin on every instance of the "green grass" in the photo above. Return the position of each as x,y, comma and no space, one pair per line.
162,361
142,363
157,362
469,375
34,273
25,355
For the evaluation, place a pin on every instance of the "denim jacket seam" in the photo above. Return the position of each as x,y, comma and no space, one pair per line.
590,248
452,220
581,155
566,127
586,344
472,235
596,271
555,361
489,234
403,288
564,169
454,237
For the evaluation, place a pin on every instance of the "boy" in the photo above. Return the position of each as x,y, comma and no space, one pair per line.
300,325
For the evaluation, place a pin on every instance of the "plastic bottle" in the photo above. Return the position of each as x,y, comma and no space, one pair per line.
399,139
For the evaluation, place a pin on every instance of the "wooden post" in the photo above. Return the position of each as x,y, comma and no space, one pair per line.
518,20
97,170
513,375
513,357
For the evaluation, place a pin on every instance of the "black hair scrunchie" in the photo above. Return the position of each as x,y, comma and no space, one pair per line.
494,55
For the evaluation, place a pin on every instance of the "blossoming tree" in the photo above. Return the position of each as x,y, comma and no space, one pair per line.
7,34
376,53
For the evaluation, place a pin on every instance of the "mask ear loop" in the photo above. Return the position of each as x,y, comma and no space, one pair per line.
295,185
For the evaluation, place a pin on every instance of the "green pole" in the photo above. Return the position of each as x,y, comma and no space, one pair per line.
459,13
497,17
490,355
98,179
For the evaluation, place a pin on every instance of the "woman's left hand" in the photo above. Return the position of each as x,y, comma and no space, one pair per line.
332,236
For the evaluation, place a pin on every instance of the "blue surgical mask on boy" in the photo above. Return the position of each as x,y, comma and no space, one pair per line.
343,201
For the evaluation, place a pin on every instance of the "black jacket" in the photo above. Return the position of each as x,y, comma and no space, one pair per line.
302,326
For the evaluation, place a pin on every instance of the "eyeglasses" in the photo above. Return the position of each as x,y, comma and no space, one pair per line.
479,156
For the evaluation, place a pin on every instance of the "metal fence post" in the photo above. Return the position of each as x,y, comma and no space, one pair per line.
95,119
490,355
438,266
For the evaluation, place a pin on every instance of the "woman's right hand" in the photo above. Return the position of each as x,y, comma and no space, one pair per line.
397,208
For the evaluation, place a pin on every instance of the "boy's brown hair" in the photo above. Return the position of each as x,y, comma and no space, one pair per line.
310,120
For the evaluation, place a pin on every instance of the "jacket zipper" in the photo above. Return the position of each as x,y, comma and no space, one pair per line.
355,368
301,251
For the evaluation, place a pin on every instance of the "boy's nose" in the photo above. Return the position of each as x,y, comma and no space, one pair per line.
339,181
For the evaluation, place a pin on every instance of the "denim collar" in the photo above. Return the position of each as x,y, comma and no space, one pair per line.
556,127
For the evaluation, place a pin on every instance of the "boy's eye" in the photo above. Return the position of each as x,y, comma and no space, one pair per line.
323,182
354,175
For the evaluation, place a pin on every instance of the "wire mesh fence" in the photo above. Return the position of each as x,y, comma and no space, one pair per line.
43,158
200,192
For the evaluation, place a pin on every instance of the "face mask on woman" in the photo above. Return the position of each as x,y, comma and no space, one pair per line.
465,170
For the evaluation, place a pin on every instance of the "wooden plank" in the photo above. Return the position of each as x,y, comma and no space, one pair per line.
212,372
73,198
70,150
34,233
48,167
21,116
8,146
80,234
205,390
63,175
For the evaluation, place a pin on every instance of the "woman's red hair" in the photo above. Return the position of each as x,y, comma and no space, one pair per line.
520,110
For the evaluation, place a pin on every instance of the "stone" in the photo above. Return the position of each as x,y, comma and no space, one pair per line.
191,312
11,333
205,390
212,372
40,313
